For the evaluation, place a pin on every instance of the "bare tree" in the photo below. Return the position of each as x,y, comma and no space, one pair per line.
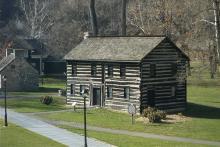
123,18
37,16
93,18
217,28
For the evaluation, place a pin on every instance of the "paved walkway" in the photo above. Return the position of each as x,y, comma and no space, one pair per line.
137,134
60,135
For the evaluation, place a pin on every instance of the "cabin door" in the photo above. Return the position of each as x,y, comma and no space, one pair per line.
151,97
96,96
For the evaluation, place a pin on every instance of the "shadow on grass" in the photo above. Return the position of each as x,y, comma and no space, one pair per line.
202,111
45,89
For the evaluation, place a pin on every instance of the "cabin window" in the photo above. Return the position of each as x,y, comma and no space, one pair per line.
82,88
93,70
72,89
110,70
122,71
74,69
109,92
173,91
174,68
152,70
126,92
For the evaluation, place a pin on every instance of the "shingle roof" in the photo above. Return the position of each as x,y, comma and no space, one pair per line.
6,61
114,48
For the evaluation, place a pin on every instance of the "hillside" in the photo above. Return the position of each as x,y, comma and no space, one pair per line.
61,24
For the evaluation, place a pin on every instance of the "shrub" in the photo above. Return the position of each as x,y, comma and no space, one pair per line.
154,115
148,111
63,93
47,100
162,114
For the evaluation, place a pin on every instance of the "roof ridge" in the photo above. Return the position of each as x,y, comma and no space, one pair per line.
6,61
128,36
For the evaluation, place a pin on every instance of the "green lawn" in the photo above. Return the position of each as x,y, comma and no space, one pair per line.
129,141
201,75
14,136
53,82
203,108
34,104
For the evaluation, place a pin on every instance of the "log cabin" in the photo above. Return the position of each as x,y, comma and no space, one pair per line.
118,71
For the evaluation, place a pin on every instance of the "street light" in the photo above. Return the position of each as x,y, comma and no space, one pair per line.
85,94
5,80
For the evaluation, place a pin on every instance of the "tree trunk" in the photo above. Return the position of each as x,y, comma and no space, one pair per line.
123,18
212,61
217,28
93,19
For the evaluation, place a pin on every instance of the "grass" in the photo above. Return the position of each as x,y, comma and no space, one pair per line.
129,141
34,104
201,75
30,101
203,125
53,83
14,136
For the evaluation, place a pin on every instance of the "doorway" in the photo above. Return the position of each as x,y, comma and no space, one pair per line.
96,96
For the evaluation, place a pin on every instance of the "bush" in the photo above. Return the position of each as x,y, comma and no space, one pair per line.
154,115
47,100
148,111
162,114
63,92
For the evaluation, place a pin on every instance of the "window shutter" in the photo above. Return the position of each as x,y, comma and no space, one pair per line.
109,92
126,93
74,69
173,91
93,69
174,68
72,89
152,70
122,71
110,71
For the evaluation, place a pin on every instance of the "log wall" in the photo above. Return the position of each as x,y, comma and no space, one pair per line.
102,81
164,56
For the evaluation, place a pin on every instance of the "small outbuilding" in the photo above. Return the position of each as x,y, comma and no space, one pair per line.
118,71
21,76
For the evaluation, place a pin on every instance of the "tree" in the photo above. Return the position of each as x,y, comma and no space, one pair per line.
123,18
93,18
217,28
37,16
8,9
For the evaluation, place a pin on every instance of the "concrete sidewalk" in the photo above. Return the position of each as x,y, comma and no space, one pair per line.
60,135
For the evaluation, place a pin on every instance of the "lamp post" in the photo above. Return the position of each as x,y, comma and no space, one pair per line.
85,94
6,120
